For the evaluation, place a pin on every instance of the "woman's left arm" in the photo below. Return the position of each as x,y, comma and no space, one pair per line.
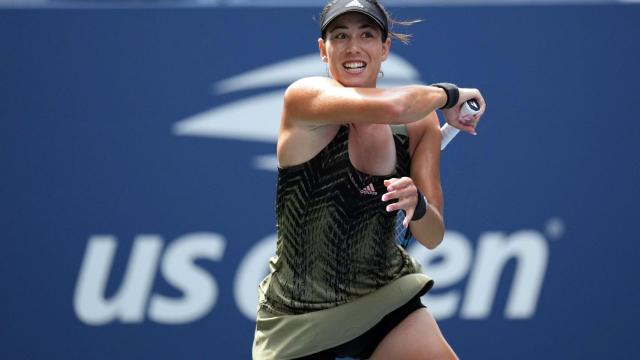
425,175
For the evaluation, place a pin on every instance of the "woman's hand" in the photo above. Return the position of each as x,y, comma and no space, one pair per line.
466,123
406,192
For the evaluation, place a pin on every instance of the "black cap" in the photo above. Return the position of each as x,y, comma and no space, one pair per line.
362,6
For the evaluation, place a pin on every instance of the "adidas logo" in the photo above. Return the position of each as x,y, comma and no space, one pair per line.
354,3
369,190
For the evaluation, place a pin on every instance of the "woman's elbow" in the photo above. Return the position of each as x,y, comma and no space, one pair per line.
434,241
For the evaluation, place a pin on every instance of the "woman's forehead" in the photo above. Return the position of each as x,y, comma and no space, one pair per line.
352,19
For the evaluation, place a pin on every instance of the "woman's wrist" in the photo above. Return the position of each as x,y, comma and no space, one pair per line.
452,94
421,207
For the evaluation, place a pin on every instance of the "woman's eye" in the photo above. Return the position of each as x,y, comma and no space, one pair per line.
367,34
340,36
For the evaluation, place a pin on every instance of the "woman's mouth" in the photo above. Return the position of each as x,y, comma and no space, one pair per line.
354,67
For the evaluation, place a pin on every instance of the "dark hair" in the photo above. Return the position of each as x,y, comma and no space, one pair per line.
403,38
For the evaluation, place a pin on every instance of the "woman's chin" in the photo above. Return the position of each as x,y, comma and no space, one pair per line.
356,81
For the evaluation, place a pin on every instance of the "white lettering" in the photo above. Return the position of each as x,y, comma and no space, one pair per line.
199,287
129,303
531,251
448,264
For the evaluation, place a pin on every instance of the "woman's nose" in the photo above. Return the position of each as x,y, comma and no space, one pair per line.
353,47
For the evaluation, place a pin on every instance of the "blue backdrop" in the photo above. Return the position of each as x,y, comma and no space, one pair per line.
137,187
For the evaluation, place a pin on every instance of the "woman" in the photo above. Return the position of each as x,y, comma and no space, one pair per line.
350,157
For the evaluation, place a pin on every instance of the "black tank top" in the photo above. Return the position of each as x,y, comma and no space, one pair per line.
336,241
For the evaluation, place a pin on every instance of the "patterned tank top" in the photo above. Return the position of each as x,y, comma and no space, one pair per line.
336,241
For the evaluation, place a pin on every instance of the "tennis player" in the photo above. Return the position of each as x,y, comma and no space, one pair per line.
351,156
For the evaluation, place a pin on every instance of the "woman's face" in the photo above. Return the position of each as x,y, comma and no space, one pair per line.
354,50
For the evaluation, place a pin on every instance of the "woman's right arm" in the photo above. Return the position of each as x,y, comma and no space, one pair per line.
320,100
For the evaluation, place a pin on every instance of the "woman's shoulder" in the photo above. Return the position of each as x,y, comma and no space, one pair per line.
302,93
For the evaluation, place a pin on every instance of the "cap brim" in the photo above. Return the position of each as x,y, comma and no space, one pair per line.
332,17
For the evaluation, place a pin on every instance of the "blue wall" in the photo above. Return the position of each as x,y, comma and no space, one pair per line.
121,133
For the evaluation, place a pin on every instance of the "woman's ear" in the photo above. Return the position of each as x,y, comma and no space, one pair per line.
386,47
323,50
